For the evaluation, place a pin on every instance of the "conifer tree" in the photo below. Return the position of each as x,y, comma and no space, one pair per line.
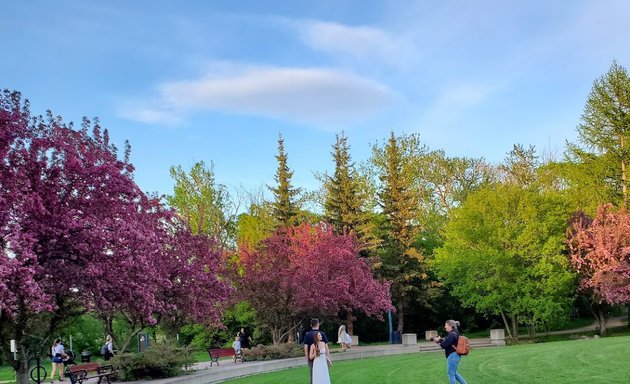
285,205
344,205
402,264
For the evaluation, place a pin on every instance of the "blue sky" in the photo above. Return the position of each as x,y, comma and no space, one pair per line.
217,81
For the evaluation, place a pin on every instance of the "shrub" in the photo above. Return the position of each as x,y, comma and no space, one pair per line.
160,361
270,352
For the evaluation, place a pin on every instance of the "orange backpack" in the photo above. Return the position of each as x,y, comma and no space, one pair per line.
462,348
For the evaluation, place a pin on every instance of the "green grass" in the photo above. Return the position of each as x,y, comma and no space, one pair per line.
6,374
592,361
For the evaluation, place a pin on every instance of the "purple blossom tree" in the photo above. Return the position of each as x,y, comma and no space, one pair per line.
309,270
77,235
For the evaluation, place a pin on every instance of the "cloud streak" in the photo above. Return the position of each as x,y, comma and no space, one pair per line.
306,95
360,42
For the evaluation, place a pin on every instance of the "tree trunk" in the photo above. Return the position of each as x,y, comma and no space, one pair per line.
507,325
275,336
401,319
514,319
602,321
129,339
349,323
21,367
628,315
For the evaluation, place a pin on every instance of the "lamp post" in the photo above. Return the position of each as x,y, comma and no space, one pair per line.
389,320
389,316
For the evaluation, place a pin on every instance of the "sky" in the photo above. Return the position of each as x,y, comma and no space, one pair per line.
218,81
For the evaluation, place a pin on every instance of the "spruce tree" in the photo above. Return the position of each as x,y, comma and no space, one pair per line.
344,205
401,263
285,206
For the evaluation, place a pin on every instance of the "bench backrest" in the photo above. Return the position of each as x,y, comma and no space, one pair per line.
221,352
89,367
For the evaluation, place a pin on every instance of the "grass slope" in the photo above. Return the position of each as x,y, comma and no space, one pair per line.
605,360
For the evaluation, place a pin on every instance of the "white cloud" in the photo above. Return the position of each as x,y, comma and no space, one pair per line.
307,95
359,42
149,115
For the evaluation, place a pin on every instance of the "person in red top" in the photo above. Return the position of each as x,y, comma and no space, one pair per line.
452,358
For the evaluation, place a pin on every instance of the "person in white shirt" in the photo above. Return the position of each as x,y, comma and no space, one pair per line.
58,353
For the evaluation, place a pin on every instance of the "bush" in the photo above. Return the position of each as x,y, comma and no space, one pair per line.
270,352
160,361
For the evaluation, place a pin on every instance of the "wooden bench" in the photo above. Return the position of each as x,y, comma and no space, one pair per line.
79,372
216,353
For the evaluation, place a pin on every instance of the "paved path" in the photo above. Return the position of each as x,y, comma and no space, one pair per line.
204,374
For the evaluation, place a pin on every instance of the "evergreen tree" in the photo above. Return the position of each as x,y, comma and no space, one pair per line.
344,205
402,264
285,206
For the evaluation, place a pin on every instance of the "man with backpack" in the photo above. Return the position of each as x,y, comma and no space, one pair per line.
107,350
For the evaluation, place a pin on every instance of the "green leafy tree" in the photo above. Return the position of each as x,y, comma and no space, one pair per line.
202,203
445,182
520,166
598,163
285,207
505,254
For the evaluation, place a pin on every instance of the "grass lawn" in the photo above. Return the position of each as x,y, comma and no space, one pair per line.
6,373
592,361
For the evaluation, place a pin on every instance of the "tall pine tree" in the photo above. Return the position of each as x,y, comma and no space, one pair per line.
285,205
402,263
344,205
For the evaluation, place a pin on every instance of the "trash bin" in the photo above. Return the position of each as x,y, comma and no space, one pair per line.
85,356
396,337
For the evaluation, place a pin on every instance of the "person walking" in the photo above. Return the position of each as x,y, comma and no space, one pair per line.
452,358
343,338
245,339
321,360
108,349
58,353
309,340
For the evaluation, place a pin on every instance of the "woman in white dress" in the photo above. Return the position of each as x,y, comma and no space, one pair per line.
321,361
343,338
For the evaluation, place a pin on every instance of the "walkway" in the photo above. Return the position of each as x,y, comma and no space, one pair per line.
204,374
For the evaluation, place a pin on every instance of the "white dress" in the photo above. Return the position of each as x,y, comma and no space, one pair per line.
320,368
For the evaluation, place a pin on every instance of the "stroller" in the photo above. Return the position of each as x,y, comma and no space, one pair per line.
69,359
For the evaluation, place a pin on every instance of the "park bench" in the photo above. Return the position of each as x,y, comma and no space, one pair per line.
81,372
216,353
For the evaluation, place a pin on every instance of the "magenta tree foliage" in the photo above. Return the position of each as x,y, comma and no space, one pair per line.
600,253
77,234
309,270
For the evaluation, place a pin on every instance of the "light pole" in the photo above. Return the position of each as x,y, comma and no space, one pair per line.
389,316
389,319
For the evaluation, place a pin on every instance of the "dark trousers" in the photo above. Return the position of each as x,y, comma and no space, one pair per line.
310,368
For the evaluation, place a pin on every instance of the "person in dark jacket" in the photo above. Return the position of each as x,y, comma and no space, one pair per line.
452,358
245,339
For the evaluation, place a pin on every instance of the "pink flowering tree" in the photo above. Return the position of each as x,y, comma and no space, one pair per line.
600,252
309,270
77,235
